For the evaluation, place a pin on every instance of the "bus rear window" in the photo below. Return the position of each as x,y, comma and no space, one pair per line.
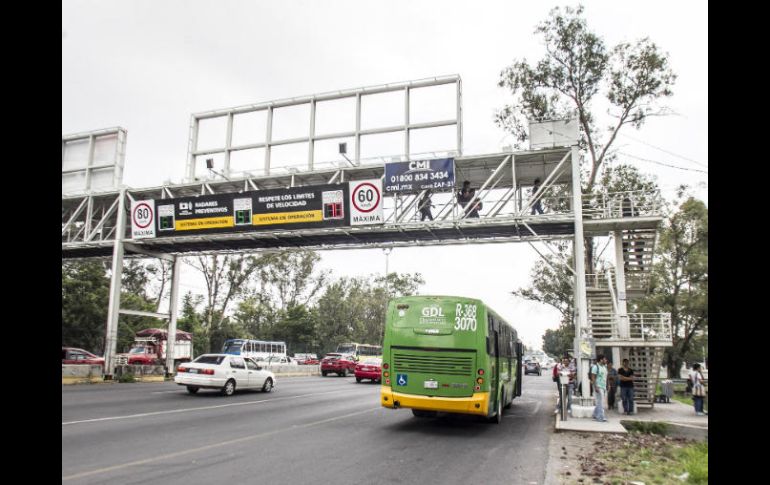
232,348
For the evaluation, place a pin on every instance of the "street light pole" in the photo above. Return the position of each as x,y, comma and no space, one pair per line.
387,253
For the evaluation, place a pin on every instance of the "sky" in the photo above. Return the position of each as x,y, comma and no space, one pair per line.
148,65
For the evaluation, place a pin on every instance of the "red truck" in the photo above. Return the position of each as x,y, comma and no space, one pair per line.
339,364
150,345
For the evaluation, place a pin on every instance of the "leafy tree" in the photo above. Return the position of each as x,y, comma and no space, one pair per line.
297,329
190,320
679,282
579,73
558,342
225,278
289,278
85,298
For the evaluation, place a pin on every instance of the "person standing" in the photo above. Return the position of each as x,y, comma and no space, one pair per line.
612,385
566,367
464,195
599,381
474,206
698,389
425,205
537,207
626,376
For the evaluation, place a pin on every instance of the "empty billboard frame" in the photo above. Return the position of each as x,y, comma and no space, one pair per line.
93,161
225,150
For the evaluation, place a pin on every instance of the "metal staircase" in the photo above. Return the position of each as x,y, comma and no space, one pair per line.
601,313
645,361
638,250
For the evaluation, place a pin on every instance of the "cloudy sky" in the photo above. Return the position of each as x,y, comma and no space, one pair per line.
147,65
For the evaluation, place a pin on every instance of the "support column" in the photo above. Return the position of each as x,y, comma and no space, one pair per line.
172,309
581,330
620,285
113,312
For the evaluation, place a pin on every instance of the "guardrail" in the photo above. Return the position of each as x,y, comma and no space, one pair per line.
615,205
650,326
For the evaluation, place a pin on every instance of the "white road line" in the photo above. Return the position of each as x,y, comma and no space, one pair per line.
202,408
215,445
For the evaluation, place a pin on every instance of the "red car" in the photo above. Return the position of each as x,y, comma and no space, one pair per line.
71,355
369,369
340,364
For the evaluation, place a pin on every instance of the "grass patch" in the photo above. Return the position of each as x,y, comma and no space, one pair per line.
687,399
647,458
126,378
647,427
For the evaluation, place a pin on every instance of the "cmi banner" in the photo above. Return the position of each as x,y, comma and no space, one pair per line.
418,175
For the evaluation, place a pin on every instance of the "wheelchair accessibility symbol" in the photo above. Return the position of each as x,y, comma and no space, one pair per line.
401,379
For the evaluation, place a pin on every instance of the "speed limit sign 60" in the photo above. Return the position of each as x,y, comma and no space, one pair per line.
366,202
366,197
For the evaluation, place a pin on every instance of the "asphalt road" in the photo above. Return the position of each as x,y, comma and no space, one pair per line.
309,430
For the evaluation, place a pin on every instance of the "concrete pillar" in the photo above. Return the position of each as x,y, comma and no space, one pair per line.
620,286
173,305
582,330
113,311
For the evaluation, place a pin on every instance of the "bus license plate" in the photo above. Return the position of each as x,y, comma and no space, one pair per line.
431,384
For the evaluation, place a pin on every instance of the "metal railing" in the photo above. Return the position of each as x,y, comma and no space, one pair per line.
600,280
650,326
615,205
637,281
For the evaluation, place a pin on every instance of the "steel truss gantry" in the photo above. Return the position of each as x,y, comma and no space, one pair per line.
95,225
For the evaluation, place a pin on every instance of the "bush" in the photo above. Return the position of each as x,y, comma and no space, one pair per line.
127,377
647,427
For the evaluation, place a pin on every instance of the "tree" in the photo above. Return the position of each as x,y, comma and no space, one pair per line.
85,298
289,278
679,283
190,320
576,74
560,341
226,278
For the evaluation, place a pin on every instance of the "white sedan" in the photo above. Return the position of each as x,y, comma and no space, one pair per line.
224,372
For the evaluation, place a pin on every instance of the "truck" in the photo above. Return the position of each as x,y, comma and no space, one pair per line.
149,348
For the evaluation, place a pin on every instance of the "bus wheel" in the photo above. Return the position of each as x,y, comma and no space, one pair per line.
423,414
498,418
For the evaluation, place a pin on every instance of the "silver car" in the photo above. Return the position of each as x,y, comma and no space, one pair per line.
224,372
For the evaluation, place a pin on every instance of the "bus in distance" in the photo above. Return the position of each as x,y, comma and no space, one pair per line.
359,350
256,349
449,354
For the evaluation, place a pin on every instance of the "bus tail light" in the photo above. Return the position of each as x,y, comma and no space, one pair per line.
386,374
387,382
481,372
385,366
478,388
480,380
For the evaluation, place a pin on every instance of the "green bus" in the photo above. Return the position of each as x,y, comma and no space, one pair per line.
449,354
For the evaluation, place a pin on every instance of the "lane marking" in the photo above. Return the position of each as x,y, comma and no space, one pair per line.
201,408
214,445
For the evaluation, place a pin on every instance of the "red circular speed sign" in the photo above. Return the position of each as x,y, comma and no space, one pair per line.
142,215
366,197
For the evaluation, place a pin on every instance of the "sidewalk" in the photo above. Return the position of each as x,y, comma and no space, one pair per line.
673,412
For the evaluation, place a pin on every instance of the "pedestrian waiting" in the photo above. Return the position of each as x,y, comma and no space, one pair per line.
599,381
698,389
626,376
